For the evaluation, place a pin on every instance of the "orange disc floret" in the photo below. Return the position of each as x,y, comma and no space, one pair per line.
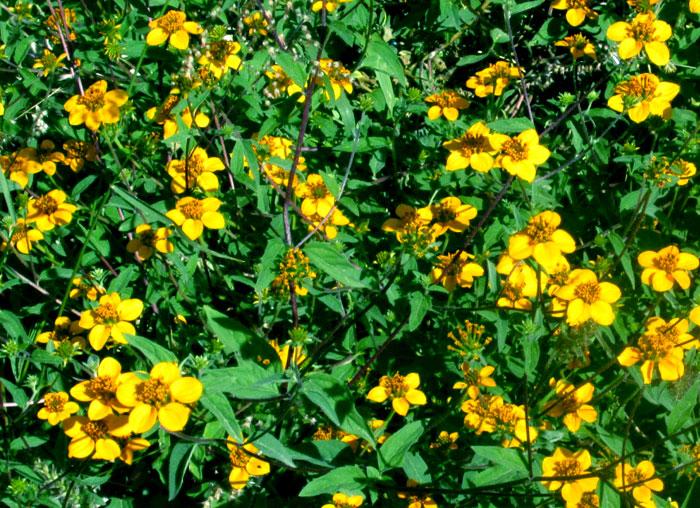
571,403
96,106
663,269
50,210
493,79
453,272
341,500
402,390
173,27
447,103
193,215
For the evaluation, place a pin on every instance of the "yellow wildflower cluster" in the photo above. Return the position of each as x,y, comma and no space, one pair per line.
338,76
494,79
294,273
491,414
665,172
95,106
447,103
564,464
571,404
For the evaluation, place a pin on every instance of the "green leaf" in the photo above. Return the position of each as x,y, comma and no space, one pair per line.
420,304
13,326
232,333
179,459
391,453
525,6
270,446
151,214
248,381
511,125
18,395
292,68
348,479
268,263
333,263
510,458
387,91
682,410
23,443
152,351
220,407
382,57
415,468
471,59
335,400
495,475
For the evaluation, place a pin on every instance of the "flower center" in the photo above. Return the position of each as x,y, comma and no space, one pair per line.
192,209
220,50
578,4
76,150
633,476
539,230
104,387
658,345
515,150
171,22
95,430
396,386
642,31
152,392
93,99
579,42
54,403
106,313
46,205
505,416
148,237
20,233
667,262
641,87
567,467
318,190
513,291
474,143
471,376
445,213
239,458
589,292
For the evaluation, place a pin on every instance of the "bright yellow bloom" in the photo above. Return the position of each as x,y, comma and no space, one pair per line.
588,298
571,402
98,436
643,95
474,378
279,82
694,6
50,210
645,32
446,441
196,170
542,240
243,464
662,344
417,500
579,45
257,24
57,408
340,500
64,330
96,106
565,464
193,215
330,5
165,397
476,148
409,220
402,390
447,103
457,272
576,10
47,157
293,270
287,352
451,214
329,226
520,155
317,199
22,237
163,116
49,62
493,79
111,319
18,166
639,479
85,286
664,268
172,26
509,420
520,285
588,500
338,75
129,445
101,391
77,152
220,56
149,239
57,20
328,433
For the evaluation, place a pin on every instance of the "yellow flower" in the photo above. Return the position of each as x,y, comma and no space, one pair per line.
643,95
329,226
243,464
493,79
474,378
56,24
50,210
49,62
664,268
565,464
198,169
193,215
293,269
417,500
645,32
588,298
85,286
173,27
663,344
111,319
475,148
542,240
451,214
338,75
447,103
576,10
64,330
163,116
47,157
446,441
165,397
20,165
148,240
129,445
642,5
639,479
297,353
579,45
571,402
330,5
257,23
77,152
328,433
317,199
520,285
409,220
509,420
458,272
98,436
220,56
57,408
469,340
340,500
101,391
520,155
96,106
22,237
402,390
279,82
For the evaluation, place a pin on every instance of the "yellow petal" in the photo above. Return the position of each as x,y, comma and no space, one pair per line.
173,416
186,390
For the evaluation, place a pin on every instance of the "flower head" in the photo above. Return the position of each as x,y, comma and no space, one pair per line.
196,170
163,115
450,213
644,32
64,330
579,45
638,479
18,166
111,319
244,463
317,199
49,62
417,500
493,79
57,408
521,284
571,402
576,10
149,239
22,237
87,287
47,157
164,396
520,155
402,390
77,152
338,75
644,95
455,271
341,500
542,240
173,27
293,271
565,464
588,298
474,378
96,106
220,56
96,438
663,269
476,148
447,103
257,24
101,391
50,210
330,6
193,215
